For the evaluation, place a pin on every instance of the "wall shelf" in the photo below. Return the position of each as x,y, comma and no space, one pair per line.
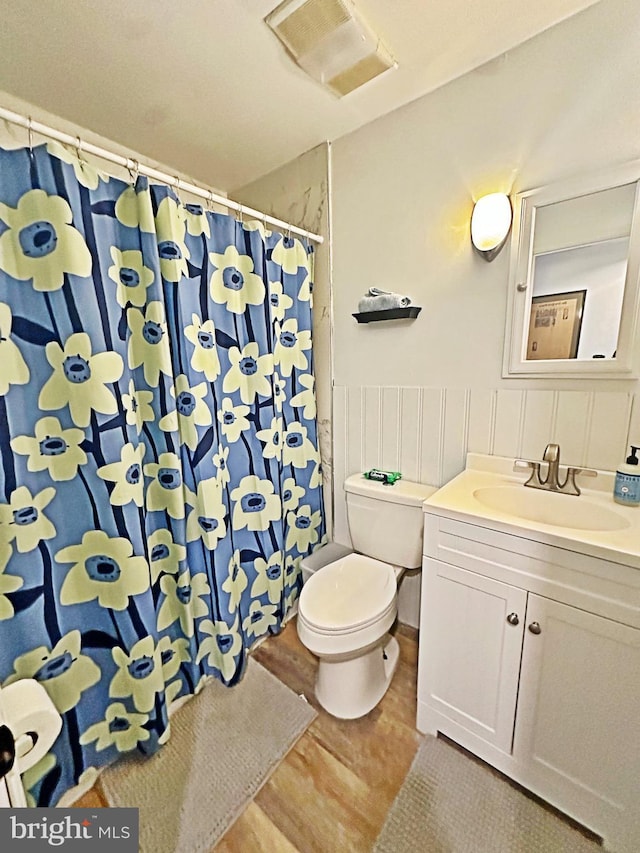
409,313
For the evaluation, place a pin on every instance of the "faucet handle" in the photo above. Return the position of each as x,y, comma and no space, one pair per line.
525,465
586,472
532,467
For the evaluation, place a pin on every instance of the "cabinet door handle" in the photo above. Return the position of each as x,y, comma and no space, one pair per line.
512,619
535,628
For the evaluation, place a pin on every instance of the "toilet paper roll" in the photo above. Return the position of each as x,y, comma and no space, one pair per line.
25,707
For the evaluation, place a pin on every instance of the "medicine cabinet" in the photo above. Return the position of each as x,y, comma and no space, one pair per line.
574,280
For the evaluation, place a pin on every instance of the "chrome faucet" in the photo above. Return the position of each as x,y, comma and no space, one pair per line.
551,482
551,456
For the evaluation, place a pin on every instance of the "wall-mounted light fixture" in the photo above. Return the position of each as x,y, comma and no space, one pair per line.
490,224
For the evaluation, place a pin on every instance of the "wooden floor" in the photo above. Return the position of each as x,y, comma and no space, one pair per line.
334,788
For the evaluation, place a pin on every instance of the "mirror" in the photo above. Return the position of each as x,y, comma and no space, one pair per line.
575,279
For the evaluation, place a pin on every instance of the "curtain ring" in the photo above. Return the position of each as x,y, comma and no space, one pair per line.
79,148
134,170
239,216
210,201
177,189
30,132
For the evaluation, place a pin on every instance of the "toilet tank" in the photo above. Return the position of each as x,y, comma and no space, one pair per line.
385,521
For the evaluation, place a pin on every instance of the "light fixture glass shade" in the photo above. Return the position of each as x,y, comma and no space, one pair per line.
490,224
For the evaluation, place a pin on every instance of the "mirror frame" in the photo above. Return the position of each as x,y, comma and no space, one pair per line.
626,364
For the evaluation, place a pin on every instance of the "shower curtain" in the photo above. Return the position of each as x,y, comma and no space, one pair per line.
160,477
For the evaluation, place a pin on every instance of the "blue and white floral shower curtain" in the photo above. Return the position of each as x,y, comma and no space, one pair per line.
160,475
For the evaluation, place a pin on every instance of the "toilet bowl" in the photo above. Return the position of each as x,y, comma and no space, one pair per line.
345,612
349,600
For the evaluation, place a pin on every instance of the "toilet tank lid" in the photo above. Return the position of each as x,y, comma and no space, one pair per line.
401,492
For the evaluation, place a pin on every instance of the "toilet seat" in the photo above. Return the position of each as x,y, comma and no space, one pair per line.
348,595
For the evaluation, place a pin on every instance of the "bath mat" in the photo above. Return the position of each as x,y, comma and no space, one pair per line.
224,744
452,803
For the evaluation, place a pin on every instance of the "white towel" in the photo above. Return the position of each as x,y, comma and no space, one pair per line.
382,300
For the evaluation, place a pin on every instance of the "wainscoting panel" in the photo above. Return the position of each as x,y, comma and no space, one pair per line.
391,439
572,421
346,446
427,432
371,428
482,421
539,409
634,429
431,435
410,432
455,431
353,429
610,428
510,409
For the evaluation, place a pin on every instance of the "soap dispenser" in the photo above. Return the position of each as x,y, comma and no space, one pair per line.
627,486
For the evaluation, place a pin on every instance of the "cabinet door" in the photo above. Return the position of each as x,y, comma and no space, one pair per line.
577,735
471,631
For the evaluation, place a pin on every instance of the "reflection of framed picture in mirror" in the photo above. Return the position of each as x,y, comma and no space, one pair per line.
554,325
555,223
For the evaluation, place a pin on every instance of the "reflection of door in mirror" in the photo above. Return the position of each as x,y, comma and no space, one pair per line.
579,264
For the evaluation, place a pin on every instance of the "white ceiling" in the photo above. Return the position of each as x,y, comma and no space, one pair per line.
206,88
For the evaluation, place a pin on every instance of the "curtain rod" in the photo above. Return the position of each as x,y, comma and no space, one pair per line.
150,172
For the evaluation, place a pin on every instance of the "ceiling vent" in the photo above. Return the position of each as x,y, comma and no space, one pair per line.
331,42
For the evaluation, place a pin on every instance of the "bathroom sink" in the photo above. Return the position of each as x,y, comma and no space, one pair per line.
552,508
490,493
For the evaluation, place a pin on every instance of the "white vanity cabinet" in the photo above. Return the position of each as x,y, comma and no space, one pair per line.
530,658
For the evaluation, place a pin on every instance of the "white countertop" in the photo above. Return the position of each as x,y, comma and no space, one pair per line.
457,500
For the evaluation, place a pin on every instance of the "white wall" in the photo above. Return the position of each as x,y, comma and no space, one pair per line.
568,101
417,395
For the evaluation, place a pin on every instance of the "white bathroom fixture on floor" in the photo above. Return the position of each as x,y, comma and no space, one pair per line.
347,607
33,725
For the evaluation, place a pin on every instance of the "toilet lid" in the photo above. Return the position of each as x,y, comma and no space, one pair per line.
349,593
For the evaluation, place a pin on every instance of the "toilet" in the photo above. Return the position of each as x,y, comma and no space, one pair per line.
349,600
